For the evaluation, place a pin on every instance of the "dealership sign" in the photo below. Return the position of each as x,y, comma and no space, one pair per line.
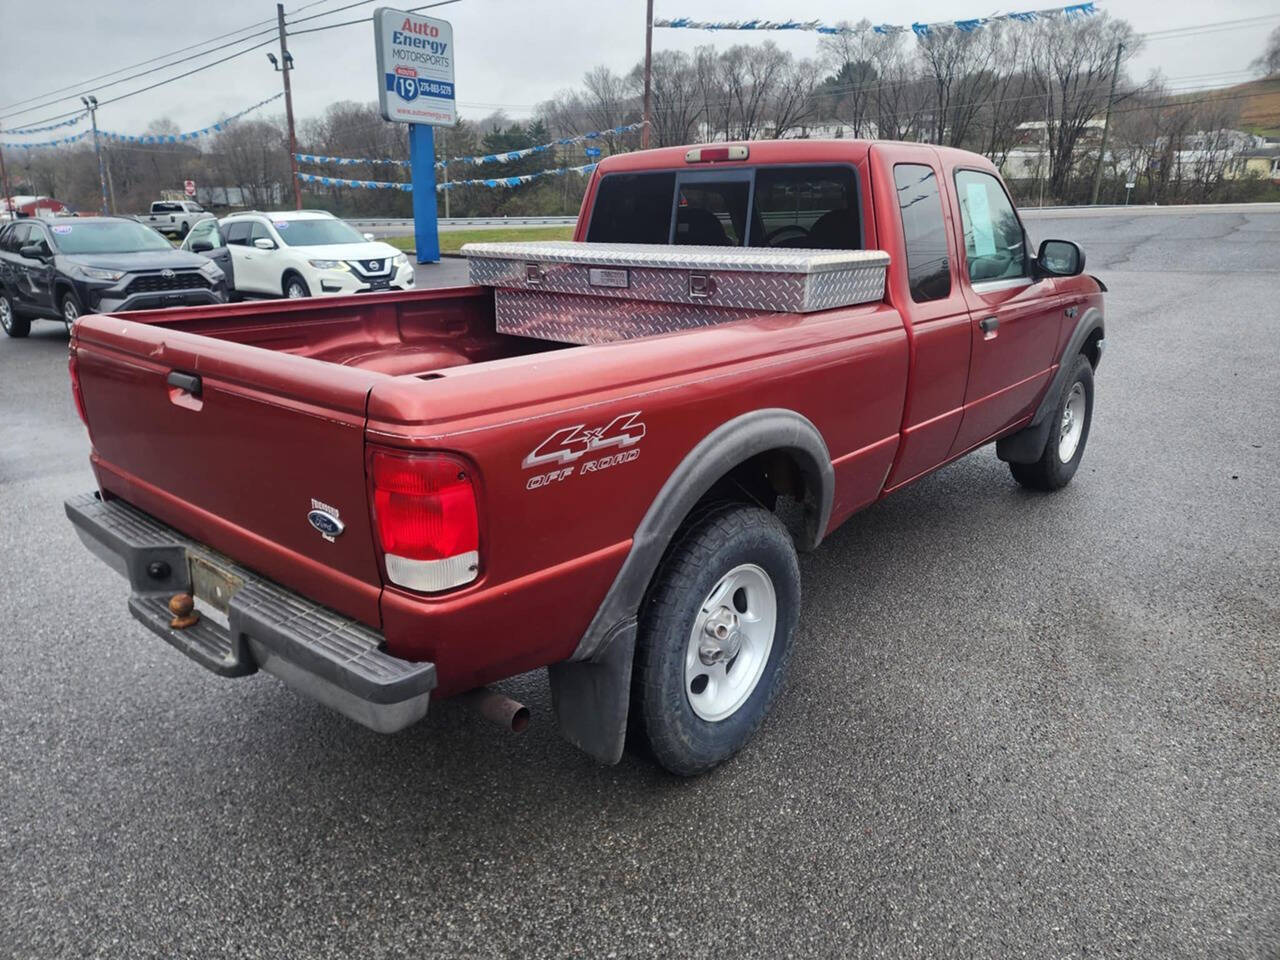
415,68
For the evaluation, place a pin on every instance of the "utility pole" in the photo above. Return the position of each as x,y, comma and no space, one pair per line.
648,75
285,67
91,104
1106,126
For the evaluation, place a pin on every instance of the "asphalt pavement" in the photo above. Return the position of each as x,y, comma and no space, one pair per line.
1016,724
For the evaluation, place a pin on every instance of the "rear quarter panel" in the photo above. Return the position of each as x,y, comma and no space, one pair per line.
551,545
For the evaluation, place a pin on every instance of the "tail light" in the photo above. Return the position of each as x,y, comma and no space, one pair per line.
76,394
424,509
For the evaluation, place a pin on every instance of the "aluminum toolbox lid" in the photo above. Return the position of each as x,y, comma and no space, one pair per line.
659,256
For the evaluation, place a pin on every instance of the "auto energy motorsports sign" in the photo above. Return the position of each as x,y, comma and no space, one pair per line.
415,68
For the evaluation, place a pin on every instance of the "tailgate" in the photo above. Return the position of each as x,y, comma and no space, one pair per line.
235,446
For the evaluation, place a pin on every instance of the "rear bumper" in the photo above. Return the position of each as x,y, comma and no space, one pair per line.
317,652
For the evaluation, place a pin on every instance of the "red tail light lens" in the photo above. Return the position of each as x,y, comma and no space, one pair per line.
424,508
76,394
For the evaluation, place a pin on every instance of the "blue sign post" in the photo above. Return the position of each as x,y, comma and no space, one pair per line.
422,156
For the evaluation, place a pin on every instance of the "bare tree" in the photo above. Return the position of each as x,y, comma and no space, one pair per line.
677,107
1269,60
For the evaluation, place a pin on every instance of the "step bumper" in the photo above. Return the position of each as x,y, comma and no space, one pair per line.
312,649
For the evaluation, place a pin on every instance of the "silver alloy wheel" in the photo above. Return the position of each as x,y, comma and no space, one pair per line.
1072,422
6,314
730,642
294,290
70,311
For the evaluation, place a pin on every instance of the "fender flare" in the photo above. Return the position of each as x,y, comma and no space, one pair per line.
1027,444
591,691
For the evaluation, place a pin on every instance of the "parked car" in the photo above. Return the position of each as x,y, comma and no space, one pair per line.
175,217
206,239
604,460
305,253
60,268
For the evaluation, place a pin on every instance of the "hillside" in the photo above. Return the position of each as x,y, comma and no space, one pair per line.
1259,102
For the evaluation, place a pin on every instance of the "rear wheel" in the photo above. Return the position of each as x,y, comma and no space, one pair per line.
69,306
184,230
295,288
10,322
1068,434
715,637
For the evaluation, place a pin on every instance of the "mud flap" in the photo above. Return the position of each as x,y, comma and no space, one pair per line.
591,697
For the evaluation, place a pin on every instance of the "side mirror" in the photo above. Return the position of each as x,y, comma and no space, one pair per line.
34,251
369,236
265,243
1060,258
201,246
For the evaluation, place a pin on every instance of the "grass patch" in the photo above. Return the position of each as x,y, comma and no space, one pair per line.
451,241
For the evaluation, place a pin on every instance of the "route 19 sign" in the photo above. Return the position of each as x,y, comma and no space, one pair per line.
415,68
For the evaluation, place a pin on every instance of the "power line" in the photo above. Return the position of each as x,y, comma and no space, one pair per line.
347,23
80,86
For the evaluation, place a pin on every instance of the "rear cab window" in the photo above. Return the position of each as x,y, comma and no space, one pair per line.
923,230
813,207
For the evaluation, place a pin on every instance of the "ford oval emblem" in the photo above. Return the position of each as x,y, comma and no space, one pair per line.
325,522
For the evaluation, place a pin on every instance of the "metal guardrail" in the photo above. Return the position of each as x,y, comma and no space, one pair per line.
458,223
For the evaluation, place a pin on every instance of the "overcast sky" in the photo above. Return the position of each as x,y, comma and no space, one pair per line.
511,53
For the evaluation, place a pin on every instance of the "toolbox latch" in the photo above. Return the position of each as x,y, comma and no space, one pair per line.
701,285
533,273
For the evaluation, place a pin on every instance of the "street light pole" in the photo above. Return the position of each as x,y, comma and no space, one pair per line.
648,75
91,103
4,185
285,67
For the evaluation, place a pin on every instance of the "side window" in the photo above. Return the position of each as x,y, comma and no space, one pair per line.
811,207
994,247
206,231
259,232
38,238
712,213
16,238
928,270
237,233
195,208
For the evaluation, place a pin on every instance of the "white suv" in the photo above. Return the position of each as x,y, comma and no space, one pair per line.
304,253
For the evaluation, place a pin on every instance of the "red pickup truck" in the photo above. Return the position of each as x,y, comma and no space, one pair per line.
601,458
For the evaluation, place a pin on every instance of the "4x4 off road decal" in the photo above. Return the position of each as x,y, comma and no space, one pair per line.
570,444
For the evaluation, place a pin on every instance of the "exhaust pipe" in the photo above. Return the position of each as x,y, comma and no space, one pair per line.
496,708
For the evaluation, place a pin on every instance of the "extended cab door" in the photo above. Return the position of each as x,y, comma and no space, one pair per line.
913,222
1014,316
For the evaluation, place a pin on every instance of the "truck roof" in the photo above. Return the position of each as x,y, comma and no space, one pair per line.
772,151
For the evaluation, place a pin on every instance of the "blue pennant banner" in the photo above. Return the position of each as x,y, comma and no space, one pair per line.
478,160
451,185
53,126
920,29
148,137
346,161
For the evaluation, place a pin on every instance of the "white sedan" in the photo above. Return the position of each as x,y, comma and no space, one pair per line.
304,253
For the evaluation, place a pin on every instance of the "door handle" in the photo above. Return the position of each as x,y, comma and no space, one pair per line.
989,326
189,382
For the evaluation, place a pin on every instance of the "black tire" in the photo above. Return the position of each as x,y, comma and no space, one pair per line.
12,324
183,230
69,308
713,543
1051,472
293,279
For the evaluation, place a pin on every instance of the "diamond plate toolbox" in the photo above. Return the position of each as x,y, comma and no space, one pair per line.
601,292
